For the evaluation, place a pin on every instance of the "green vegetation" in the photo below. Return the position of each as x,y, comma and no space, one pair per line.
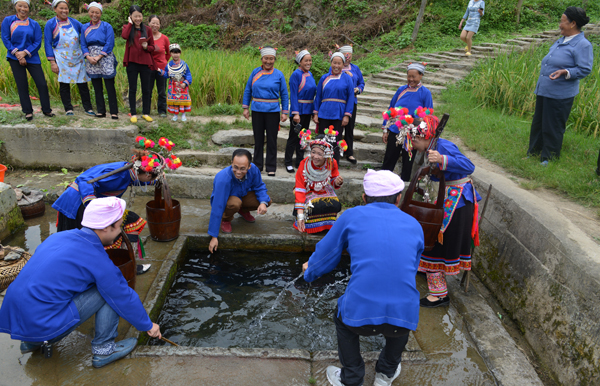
200,36
503,139
508,81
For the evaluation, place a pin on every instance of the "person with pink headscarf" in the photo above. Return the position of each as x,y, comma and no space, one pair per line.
384,244
69,279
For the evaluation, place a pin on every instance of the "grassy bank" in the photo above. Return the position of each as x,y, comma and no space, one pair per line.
503,139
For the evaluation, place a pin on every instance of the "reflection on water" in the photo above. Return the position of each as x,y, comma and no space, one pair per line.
35,231
254,299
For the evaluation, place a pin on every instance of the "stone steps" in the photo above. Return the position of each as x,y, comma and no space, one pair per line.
222,158
435,89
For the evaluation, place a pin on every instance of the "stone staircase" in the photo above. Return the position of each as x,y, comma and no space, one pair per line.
442,68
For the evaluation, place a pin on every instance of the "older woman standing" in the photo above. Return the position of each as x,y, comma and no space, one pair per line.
63,50
475,11
411,96
265,86
97,44
138,60
569,60
161,55
302,94
335,99
359,86
22,38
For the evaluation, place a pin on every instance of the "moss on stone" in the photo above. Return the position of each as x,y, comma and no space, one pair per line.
11,222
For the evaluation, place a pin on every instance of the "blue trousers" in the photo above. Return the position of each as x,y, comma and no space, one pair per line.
89,303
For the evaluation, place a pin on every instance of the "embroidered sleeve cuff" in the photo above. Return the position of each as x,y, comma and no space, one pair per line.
244,106
29,54
444,163
50,58
285,111
295,113
348,114
103,53
86,54
264,202
300,190
186,82
14,51
315,112
299,205
88,198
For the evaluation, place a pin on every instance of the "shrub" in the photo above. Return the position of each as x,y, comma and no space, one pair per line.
200,36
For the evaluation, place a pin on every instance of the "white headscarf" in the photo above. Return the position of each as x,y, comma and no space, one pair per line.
25,1
338,55
94,4
300,55
346,49
417,66
57,2
264,51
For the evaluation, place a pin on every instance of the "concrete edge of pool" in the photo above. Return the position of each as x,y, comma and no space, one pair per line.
506,361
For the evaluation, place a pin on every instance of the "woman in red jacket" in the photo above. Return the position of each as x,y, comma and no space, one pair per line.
138,60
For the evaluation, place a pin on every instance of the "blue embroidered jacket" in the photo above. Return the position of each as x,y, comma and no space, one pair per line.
22,35
303,89
101,34
411,98
335,96
264,89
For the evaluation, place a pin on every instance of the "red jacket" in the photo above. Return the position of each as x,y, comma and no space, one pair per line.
135,53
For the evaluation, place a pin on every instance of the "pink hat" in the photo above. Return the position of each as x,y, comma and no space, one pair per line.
103,212
382,183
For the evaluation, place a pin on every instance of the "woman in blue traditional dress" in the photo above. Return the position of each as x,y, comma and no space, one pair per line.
180,79
97,44
359,85
460,226
411,96
334,102
302,97
475,11
265,87
63,50
22,38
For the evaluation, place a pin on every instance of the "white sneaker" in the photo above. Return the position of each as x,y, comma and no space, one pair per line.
334,375
174,119
382,380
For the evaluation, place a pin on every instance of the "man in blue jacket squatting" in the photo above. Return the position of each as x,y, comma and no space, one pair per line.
238,188
68,280
385,246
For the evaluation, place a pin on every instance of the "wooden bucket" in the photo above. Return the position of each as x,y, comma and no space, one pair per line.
34,209
124,259
430,216
163,215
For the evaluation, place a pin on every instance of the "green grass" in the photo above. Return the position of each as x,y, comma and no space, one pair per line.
503,139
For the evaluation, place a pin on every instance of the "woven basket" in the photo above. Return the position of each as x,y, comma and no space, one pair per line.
10,269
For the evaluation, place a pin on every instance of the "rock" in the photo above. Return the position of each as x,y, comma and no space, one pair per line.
308,16
19,194
230,150
359,135
372,138
26,191
12,256
233,137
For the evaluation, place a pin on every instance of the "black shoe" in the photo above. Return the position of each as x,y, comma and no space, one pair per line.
143,268
49,114
98,115
271,174
440,302
29,118
289,169
353,161
114,116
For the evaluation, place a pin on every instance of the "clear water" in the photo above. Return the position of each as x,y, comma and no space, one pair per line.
254,299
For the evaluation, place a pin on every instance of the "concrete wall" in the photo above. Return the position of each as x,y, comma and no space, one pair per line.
28,146
546,273
10,214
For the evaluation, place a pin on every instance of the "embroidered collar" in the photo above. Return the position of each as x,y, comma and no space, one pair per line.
415,88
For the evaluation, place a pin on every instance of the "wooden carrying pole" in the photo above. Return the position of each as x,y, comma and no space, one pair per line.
119,170
467,275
